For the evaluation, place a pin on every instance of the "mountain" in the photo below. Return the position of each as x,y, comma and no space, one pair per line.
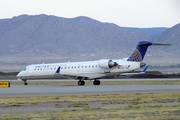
45,35
41,38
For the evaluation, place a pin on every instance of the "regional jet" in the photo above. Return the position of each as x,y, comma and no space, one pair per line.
89,70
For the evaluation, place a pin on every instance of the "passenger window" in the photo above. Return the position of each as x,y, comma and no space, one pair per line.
82,67
93,66
68,67
72,67
75,67
34,69
65,68
89,66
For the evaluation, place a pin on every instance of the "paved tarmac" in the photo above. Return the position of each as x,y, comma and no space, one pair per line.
57,90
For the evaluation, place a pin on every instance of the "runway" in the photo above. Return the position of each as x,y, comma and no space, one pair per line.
137,79
54,90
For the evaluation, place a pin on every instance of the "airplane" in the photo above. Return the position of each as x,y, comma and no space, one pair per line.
89,70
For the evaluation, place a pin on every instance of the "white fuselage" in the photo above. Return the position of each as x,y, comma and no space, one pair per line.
86,70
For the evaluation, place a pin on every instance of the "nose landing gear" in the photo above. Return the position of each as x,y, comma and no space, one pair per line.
25,82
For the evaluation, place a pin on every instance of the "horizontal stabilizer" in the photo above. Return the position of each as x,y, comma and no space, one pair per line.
161,44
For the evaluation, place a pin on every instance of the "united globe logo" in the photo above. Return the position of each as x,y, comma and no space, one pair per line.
136,56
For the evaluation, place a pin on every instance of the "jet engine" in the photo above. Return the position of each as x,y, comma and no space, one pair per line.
106,63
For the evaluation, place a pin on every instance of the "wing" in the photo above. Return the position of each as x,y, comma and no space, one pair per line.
135,73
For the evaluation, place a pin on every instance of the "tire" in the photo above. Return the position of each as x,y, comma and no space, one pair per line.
96,82
80,83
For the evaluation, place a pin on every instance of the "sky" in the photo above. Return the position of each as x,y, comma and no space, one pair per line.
125,13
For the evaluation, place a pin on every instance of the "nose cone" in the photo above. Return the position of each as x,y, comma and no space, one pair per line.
18,75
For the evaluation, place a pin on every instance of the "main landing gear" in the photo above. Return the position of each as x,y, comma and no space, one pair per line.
96,82
82,82
25,82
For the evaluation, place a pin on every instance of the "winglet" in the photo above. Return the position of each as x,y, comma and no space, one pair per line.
58,70
144,69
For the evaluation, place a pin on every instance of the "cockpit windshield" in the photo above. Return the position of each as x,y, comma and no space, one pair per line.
24,69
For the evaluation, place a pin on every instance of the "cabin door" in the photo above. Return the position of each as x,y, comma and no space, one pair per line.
31,71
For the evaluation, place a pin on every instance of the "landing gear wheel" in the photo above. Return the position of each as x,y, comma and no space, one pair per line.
25,83
80,83
96,82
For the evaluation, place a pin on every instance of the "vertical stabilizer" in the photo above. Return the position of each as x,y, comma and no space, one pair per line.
140,51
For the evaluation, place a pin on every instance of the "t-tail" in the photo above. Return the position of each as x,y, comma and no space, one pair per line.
140,51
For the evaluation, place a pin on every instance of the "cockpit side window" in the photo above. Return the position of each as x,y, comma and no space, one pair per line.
24,69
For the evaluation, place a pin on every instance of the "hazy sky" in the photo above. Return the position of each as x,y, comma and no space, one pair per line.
126,13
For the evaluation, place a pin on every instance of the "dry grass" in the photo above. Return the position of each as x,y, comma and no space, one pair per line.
152,97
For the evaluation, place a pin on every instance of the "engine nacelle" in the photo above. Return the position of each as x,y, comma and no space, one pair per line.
105,63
